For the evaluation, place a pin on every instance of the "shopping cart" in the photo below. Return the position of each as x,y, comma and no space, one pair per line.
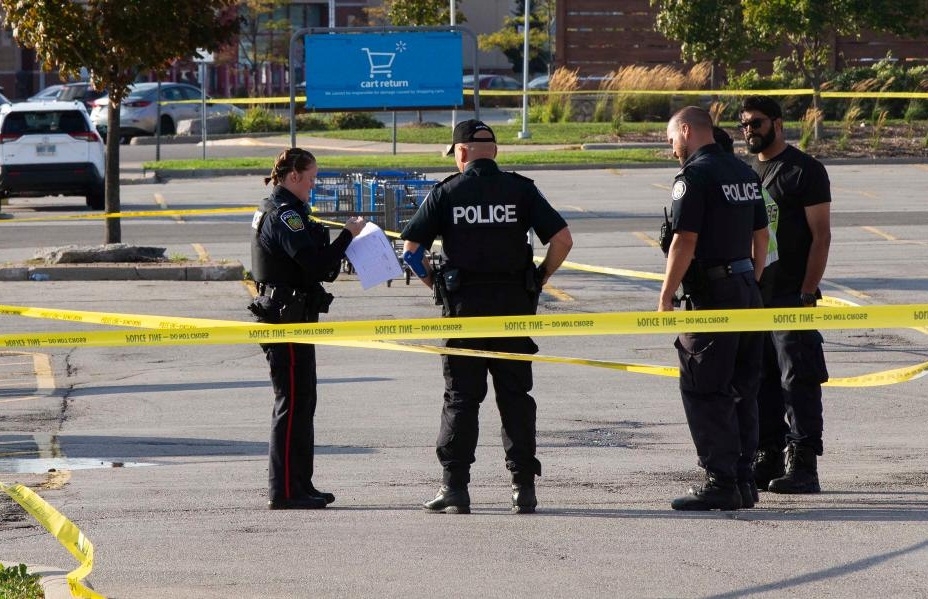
381,62
402,199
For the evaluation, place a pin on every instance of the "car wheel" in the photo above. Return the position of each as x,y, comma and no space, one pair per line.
167,126
96,199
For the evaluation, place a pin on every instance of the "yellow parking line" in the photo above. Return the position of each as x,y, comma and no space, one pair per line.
202,254
163,204
647,239
44,379
558,294
879,233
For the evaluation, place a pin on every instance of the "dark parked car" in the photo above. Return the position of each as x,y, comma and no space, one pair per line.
82,91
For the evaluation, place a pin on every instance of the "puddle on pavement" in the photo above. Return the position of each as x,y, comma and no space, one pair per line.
43,465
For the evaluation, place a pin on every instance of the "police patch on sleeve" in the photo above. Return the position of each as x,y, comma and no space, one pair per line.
256,219
293,221
679,189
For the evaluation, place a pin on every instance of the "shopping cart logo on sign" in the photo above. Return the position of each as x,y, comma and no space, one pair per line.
381,63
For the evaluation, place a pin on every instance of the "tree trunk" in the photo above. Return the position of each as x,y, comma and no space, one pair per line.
113,134
818,131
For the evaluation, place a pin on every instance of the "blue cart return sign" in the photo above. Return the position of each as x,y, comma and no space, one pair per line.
387,70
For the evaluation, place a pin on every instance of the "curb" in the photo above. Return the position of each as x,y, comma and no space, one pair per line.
162,271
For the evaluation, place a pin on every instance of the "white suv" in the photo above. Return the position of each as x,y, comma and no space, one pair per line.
50,148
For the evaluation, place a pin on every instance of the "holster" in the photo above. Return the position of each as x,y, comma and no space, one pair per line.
534,275
445,282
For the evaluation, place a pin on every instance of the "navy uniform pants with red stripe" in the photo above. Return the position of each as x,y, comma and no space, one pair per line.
293,376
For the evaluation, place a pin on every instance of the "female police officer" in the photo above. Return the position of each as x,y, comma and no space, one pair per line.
291,255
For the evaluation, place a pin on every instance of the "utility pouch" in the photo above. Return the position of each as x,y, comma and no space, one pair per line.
295,308
665,237
695,281
318,301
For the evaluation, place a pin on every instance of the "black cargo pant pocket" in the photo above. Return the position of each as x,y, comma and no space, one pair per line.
706,361
801,357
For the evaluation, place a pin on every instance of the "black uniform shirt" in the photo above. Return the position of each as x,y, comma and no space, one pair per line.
718,197
290,248
482,216
794,180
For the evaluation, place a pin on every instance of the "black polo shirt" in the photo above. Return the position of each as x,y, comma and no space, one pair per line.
482,216
718,197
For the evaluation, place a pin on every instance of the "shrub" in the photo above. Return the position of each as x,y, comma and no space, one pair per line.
259,119
310,122
354,120
17,583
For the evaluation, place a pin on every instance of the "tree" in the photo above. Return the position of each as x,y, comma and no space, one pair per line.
116,40
414,12
510,40
709,30
264,39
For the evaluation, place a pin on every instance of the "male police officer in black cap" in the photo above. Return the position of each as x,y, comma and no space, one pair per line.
719,223
483,216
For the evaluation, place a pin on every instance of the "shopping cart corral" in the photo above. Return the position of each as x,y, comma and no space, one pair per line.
386,198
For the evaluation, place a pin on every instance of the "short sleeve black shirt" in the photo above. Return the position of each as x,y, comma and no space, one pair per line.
482,216
795,181
718,197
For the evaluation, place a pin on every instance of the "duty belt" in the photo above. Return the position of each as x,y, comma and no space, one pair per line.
723,271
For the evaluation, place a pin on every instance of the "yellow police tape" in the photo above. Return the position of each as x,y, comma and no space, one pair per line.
301,100
62,529
166,330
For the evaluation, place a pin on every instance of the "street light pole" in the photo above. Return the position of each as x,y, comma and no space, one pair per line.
453,10
524,134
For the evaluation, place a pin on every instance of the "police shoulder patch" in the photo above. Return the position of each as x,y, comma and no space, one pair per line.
292,219
679,189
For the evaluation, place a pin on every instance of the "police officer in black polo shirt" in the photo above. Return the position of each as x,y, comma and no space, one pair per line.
719,233
483,216
290,257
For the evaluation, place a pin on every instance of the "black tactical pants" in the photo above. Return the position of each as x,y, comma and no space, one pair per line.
293,376
790,397
719,379
466,387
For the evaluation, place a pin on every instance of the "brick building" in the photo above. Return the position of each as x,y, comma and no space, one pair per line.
599,36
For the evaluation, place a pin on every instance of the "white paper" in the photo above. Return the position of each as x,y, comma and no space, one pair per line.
373,257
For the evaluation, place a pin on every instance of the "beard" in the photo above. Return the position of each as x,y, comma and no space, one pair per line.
757,143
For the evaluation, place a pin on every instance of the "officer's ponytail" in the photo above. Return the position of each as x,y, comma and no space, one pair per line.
291,160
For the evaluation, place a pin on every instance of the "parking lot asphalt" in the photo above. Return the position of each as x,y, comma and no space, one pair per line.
183,515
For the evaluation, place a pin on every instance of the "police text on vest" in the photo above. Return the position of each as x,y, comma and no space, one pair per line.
498,213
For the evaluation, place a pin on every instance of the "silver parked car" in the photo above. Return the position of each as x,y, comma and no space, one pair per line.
138,114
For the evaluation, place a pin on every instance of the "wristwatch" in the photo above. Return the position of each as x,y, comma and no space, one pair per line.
808,299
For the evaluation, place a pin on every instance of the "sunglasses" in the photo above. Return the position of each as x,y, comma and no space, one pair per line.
752,124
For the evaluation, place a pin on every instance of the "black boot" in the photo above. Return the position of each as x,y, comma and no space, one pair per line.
768,465
748,490
801,472
450,500
328,497
524,500
716,494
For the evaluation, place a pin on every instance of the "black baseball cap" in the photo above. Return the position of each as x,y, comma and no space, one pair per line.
465,131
